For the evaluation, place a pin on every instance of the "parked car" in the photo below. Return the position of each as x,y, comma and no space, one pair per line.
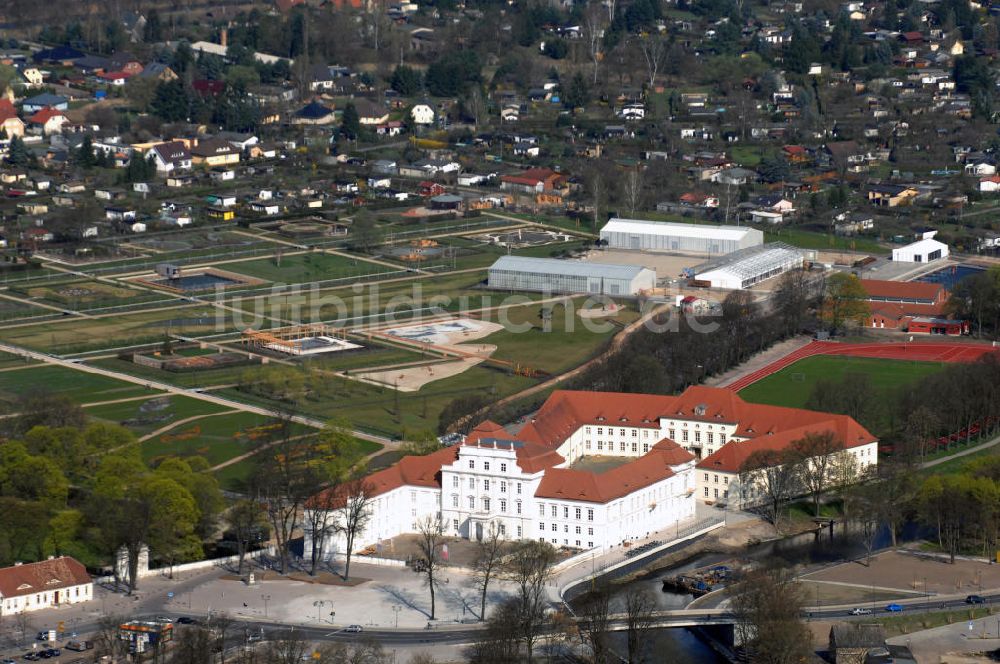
861,611
31,657
186,620
53,652
975,599
353,628
894,608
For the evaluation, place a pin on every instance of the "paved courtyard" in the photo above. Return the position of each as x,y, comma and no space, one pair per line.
914,573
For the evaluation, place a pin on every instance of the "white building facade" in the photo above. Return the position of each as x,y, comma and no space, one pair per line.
43,585
536,484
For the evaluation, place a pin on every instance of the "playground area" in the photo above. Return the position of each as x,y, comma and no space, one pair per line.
299,340
452,335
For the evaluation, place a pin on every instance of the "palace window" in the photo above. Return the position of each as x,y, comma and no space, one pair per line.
503,505
454,500
503,468
486,465
503,486
472,463
517,506
635,447
486,504
578,513
472,503
590,514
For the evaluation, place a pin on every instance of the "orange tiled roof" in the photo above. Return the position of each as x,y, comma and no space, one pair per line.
30,578
907,290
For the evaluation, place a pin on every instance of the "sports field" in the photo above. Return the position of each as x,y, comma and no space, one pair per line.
792,385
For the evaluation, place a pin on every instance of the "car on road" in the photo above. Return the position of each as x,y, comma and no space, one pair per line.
186,620
894,608
861,611
7,661
53,652
31,657
353,628
975,599
164,619
79,646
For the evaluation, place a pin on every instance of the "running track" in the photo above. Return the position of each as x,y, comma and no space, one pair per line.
922,352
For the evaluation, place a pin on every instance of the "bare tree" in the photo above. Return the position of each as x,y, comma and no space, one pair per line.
861,505
639,607
632,190
499,642
815,454
429,534
594,624
529,567
107,640
246,521
287,647
489,552
593,32
220,625
767,605
319,515
192,645
654,50
774,476
353,515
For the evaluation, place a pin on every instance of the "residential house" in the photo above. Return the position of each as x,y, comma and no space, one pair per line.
894,304
535,180
137,227
313,113
43,585
734,176
980,168
422,114
241,142
10,124
158,71
391,128
221,200
891,195
853,223
126,62
698,199
33,77
214,152
385,166
115,79
990,184
180,180
118,213
72,187
269,208
847,155
369,113
170,157
220,213
222,175
48,121
45,100
774,203
320,78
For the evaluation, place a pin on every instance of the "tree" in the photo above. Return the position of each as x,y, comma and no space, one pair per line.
85,153
429,534
846,301
490,550
861,505
364,234
816,455
500,642
791,299
406,81
577,92
632,190
654,49
773,475
528,567
153,30
594,624
593,31
17,152
639,607
246,522
354,515
767,606
170,101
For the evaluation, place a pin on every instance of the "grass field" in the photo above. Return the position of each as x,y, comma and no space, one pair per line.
822,241
568,343
793,385
143,417
77,385
304,268
68,336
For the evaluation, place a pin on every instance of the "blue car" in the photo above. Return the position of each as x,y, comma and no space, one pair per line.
893,608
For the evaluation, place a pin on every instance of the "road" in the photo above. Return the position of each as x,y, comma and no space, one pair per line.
194,393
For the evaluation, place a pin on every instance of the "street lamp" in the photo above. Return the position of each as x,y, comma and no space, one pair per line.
396,608
266,598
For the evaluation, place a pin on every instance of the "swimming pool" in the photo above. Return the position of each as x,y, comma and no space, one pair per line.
949,276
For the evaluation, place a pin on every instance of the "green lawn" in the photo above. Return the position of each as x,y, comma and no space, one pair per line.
793,385
906,623
217,438
69,336
143,417
822,241
77,385
568,343
204,378
304,268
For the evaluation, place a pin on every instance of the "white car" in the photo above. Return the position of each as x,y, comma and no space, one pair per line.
861,612
353,628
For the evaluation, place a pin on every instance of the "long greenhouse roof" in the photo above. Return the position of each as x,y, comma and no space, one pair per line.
751,261
567,267
667,228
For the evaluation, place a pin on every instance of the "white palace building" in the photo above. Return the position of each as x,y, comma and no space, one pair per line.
659,453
